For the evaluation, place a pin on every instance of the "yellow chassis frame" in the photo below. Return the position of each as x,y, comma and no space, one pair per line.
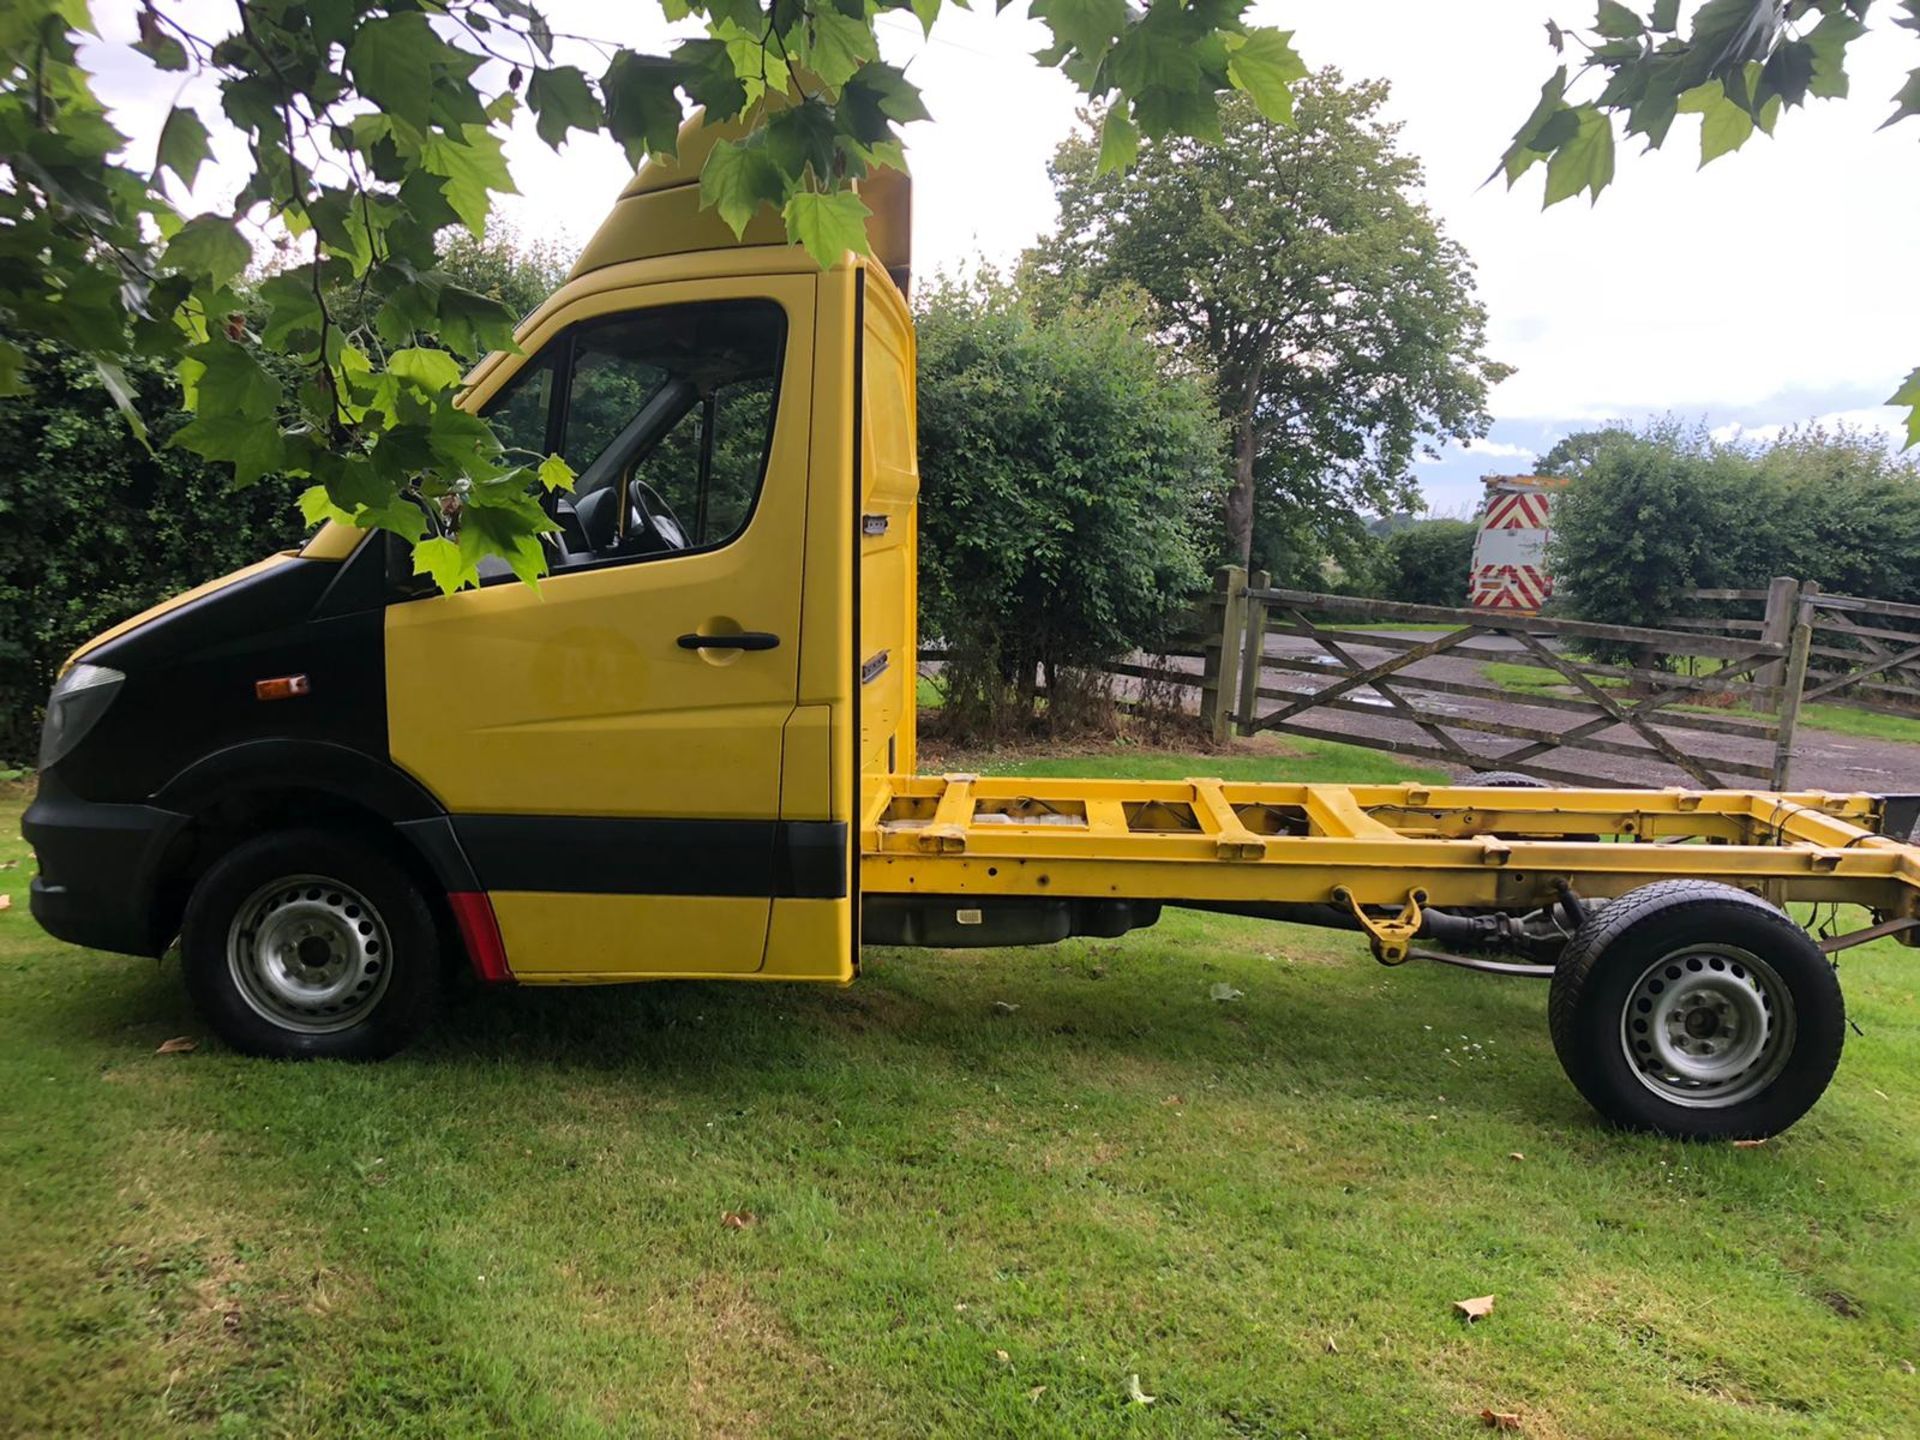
1398,847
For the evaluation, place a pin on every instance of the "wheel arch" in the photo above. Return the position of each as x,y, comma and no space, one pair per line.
247,790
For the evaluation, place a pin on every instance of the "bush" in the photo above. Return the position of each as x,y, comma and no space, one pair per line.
1427,563
1067,466
93,528
1653,513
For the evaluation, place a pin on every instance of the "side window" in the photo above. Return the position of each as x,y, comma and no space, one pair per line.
669,414
519,412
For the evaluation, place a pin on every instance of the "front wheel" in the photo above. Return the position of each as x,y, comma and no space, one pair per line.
311,944
1696,1010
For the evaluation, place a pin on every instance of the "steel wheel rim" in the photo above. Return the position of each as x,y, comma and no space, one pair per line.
1708,1026
309,954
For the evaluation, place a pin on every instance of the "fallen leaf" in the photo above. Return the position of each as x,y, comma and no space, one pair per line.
1003,1008
1224,992
1174,1100
1003,1357
1906,1367
1332,1347
1748,1144
1477,1308
8,864
1035,1393
1500,1419
1841,1303
1136,1394
738,1219
179,1045
1515,1155
1883,1094
6,902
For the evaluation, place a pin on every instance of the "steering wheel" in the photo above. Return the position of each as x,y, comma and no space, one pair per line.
650,514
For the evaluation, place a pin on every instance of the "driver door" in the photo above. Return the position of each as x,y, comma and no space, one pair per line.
610,744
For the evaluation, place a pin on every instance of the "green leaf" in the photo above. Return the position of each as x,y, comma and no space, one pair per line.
125,399
209,248
879,94
800,138
926,12
1119,140
836,46
561,101
828,225
738,179
292,310
1088,25
555,474
1161,112
391,61
1525,152
159,46
1906,100
183,145
1909,395
431,370
1617,22
254,447
1265,65
473,168
441,559
1585,160
1666,16
13,364
708,77
1724,126
643,112
1829,41
472,324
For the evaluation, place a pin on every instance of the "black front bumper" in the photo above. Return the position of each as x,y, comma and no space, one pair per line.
100,870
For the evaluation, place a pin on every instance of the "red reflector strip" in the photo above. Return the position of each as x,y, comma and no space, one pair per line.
480,933
282,687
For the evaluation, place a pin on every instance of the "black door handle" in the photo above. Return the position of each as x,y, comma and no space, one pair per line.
744,640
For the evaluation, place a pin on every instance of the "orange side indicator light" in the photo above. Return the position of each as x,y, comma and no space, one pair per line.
282,687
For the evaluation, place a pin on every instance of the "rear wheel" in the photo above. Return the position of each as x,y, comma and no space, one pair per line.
310,944
1697,1010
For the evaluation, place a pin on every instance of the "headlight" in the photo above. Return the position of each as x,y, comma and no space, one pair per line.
78,701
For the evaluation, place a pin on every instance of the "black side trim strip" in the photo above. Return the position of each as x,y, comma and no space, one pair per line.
612,855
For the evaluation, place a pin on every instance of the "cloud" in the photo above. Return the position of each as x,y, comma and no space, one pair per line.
1878,418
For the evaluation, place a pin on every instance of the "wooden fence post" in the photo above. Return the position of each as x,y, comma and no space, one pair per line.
1252,653
1220,651
1796,683
1783,604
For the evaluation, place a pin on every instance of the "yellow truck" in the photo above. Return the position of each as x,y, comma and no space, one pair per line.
690,753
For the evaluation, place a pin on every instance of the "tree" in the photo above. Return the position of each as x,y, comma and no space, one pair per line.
1428,562
1066,463
95,527
1739,65
372,126
1339,319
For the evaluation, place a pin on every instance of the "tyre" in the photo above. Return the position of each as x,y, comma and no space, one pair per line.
1696,1010
311,944
1514,780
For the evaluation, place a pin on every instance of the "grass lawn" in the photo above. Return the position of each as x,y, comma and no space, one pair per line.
984,1190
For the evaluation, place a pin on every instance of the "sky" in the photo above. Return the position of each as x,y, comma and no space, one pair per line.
1762,291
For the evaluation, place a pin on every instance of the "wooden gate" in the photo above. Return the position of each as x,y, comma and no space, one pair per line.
1417,683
